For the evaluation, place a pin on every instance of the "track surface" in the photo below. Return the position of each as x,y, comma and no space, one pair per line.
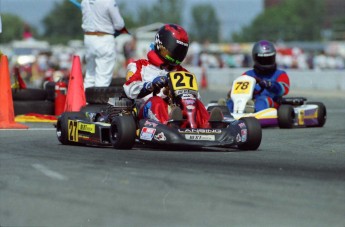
296,178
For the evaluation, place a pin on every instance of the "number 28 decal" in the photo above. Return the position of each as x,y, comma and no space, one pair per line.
183,80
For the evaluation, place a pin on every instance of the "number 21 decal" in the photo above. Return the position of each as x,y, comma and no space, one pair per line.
72,131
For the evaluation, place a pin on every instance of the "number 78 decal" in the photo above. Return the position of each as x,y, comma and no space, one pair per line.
241,87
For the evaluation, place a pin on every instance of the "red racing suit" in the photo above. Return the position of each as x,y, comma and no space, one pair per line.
155,107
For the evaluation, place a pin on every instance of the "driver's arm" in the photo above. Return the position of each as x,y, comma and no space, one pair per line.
133,85
282,85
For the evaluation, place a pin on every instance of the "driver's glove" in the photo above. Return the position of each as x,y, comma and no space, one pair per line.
265,84
160,82
157,83
147,89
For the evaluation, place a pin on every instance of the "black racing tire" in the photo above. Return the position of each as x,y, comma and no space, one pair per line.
254,134
286,116
29,94
62,126
118,82
38,107
123,132
101,95
321,113
50,88
93,108
225,110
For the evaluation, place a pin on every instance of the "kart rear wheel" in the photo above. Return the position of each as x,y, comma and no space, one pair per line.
101,95
286,116
123,132
62,126
321,113
254,134
29,94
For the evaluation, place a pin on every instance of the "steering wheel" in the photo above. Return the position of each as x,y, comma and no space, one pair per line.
258,80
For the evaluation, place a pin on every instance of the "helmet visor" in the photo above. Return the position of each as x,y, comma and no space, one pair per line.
267,60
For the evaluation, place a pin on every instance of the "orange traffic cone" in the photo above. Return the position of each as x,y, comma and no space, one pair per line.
75,99
6,102
203,78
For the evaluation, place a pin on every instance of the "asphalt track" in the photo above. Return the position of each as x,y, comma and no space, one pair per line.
296,178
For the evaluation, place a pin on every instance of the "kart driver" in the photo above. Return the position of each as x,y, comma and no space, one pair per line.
272,83
148,76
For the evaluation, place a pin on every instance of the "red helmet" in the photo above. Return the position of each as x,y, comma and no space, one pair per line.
171,44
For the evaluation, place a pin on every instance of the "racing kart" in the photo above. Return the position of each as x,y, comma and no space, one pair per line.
292,111
125,129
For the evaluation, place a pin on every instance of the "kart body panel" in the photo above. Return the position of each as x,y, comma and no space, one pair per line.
300,113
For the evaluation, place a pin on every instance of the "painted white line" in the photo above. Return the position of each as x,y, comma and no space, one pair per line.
336,110
29,129
49,173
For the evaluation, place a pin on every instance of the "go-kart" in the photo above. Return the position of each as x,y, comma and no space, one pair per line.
125,129
292,111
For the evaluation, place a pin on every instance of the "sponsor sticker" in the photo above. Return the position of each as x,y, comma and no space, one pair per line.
242,125
147,133
266,54
160,137
150,124
200,137
200,131
238,138
86,127
244,135
180,92
301,117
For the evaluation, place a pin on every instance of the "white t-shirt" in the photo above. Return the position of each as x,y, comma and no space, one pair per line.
101,16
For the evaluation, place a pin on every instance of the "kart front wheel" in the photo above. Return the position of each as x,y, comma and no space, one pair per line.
123,132
62,126
254,134
286,116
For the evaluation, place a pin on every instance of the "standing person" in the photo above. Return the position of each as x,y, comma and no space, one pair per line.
0,25
27,32
273,83
101,21
0,32
146,76
129,50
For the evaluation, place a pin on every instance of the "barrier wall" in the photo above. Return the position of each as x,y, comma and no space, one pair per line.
330,80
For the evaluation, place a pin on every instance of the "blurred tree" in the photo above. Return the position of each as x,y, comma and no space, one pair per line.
63,23
13,28
205,23
165,11
338,28
129,18
293,20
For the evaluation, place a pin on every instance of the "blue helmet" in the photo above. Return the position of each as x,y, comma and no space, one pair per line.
264,55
